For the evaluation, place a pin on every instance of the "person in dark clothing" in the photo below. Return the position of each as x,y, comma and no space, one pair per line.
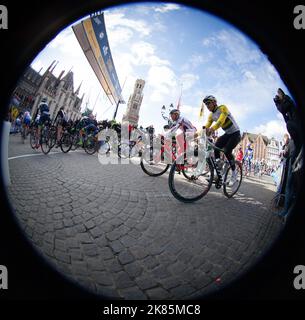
292,153
287,108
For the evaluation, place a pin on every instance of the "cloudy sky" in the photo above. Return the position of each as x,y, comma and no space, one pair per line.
175,48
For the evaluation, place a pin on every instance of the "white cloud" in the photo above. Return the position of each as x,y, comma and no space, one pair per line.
273,128
119,36
113,20
144,54
188,80
167,7
197,60
237,48
162,81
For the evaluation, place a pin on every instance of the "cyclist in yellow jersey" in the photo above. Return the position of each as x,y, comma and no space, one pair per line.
223,119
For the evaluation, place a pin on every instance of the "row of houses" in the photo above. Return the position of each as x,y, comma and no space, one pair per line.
264,149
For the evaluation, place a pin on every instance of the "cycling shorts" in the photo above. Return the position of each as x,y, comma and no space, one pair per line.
27,121
43,119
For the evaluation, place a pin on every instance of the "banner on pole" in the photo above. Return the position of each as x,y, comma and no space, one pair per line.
92,37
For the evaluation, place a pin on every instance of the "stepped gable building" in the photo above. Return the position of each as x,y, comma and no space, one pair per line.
59,91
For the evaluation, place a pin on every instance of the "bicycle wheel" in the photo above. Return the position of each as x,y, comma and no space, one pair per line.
90,145
124,150
193,188
230,189
153,166
188,170
75,139
33,139
52,136
104,147
45,140
66,142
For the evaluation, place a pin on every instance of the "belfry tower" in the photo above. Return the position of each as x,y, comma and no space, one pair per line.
134,104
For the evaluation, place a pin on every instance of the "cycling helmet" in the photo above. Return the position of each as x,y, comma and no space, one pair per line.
44,100
209,98
175,111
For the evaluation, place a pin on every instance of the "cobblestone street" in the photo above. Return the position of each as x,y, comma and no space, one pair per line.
122,234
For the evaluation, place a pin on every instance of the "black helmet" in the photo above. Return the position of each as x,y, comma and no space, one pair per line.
175,111
209,98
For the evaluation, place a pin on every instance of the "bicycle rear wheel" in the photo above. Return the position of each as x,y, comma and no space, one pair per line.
45,141
230,189
153,166
52,136
33,138
194,187
66,142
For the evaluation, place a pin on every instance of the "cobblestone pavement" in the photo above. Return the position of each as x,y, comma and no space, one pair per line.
122,234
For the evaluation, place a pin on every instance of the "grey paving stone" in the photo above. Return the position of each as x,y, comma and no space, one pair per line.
157,294
146,282
133,269
102,278
150,262
123,280
133,294
125,257
61,256
116,246
90,249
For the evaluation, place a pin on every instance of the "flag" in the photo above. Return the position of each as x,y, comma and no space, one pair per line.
201,112
179,103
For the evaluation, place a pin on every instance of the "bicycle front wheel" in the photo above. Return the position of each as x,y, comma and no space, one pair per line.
90,145
230,186
193,188
103,147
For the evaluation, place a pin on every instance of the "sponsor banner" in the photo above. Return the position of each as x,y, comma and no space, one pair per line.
92,37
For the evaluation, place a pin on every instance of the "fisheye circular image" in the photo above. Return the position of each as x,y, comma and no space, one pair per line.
153,152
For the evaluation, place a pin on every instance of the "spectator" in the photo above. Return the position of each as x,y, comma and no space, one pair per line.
240,154
292,153
287,108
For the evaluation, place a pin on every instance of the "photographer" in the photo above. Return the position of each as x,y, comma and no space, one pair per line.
287,108
292,153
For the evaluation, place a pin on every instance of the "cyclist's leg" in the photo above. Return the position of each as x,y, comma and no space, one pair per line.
220,143
232,141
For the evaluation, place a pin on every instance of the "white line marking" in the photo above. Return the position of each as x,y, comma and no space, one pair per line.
39,154
31,155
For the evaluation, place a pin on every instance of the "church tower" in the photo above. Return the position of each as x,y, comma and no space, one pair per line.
134,104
